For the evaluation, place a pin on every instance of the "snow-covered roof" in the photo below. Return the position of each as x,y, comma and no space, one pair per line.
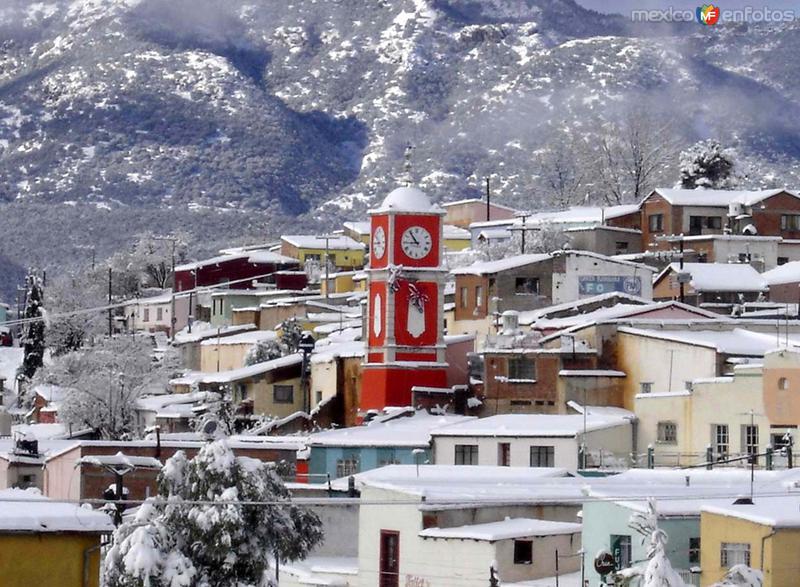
491,267
737,341
345,349
251,337
41,431
254,256
504,530
591,373
29,511
121,461
310,241
50,393
253,370
774,511
455,232
494,233
155,403
702,197
407,199
476,201
361,228
786,273
534,425
408,431
729,277
197,335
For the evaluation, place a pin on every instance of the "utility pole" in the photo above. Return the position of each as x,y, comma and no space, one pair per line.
328,238
110,326
523,229
682,284
173,318
488,201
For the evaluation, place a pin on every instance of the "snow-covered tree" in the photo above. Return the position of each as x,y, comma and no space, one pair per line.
657,571
560,171
263,351
632,155
707,164
148,263
33,340
291,333
741,576
67,294
104,382
176,542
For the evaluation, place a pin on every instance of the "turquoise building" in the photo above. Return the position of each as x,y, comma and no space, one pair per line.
399,438
606,527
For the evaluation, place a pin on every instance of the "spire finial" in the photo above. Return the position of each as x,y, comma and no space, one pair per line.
406,177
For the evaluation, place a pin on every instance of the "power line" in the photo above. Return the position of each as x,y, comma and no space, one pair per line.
328,501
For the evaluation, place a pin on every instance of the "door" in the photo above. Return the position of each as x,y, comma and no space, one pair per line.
390,559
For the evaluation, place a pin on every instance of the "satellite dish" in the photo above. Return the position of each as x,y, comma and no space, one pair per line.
210,427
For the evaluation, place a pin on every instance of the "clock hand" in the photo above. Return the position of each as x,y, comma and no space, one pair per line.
411,234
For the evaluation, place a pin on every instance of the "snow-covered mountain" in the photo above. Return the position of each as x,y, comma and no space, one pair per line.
305,106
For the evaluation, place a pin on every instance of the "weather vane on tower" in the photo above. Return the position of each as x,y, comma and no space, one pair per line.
406,178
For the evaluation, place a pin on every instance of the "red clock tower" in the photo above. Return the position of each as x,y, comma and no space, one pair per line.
405,344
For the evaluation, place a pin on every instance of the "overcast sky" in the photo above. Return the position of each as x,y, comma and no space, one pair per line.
625,6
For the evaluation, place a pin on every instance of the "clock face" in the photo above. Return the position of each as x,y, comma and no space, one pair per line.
416,242
379,242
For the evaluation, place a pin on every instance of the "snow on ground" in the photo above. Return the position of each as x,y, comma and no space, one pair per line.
568,580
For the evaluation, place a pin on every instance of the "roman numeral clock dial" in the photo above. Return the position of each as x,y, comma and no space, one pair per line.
416,242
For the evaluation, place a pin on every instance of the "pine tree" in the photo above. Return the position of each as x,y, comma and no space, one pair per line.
707,165
33,337
657,571
173,543
263,351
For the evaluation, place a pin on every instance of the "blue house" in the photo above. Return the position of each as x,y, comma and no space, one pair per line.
399,438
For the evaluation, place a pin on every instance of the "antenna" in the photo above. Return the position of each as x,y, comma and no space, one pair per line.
406,177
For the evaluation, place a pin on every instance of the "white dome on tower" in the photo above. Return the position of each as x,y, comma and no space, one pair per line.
406,199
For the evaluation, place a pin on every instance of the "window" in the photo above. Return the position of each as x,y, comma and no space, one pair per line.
521,368
621,247
783,260
346,467
146,315
621,549
790,222
668,432
694,550
783,384
750,439
466,454
720,439
526,286
523,552
479,295
159,314
656,222
317,396
464,297
646,387
504,454
283,394
698,223
781,440
734,553
542,456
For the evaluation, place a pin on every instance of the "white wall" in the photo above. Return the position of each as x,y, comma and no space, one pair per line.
616,440
565,285
426,562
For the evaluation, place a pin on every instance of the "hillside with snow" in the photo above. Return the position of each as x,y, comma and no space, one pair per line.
303,107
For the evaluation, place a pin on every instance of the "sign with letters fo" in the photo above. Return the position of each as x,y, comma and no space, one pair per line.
592,285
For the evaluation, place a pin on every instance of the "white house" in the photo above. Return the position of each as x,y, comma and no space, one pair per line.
538,440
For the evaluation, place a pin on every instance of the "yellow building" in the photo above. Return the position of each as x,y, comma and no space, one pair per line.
455,238
717,410
343,252
229,352
764,536
273,388
49,544
340,282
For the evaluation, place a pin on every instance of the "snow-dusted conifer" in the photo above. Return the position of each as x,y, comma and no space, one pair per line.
173,543
263,351
33,337
707,165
